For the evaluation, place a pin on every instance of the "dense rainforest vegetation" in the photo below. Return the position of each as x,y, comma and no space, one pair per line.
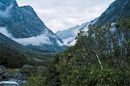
101,57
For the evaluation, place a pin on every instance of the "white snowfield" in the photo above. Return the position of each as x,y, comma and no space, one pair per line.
8,83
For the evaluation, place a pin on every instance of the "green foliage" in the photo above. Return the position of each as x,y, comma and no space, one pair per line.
100,58
35,81
124,22
10,71
12,59
39,76
81,64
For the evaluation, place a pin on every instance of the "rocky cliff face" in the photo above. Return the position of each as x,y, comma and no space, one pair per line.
23,23
117,10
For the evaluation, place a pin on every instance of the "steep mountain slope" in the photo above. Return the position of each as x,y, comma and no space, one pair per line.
68,36
117,10
11,44
24,24
17,55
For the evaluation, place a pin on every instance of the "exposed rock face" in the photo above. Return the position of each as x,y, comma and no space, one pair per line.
117,10
23,22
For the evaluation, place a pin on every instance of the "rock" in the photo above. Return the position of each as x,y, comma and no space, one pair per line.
27,70
2,72
4,76
23,22
117,10
11,75
20,75
2,67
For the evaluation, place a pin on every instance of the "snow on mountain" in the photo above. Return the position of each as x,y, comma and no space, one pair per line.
68,36
5,13
24,26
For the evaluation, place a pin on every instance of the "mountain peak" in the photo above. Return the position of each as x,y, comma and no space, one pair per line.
27,7
8,2
26,27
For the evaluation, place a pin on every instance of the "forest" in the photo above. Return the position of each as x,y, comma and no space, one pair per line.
101,57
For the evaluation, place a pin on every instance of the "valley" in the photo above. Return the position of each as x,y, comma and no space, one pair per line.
95,53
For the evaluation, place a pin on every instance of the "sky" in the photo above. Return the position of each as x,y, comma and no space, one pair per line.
59,15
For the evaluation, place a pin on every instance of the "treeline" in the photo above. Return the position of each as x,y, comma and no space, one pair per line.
13,58
101,57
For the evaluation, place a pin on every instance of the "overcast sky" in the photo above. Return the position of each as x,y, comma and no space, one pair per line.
63,14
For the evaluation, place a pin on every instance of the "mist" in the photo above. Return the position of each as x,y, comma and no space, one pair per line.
37,40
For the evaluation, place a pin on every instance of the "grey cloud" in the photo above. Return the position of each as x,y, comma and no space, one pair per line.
62,14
